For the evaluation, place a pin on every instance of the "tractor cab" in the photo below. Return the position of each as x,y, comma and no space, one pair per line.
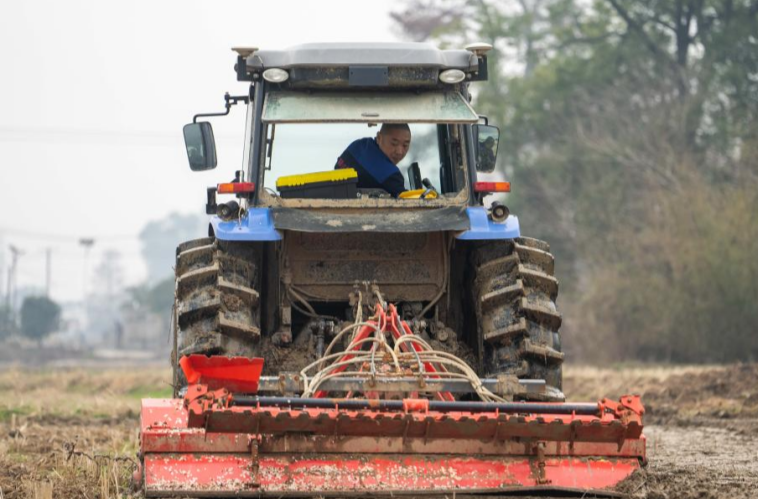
309,103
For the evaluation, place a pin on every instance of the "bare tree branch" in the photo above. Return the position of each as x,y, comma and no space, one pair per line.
661,22
420,20
588,40
639,29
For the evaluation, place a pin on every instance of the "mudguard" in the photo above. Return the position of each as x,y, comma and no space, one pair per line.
483,228
265,224
256,225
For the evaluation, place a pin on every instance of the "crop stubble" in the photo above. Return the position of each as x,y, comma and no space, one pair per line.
73,433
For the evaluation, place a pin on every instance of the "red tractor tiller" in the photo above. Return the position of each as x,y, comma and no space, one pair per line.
388,415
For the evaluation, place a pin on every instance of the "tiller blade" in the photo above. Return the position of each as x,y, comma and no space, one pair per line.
214,444
227,437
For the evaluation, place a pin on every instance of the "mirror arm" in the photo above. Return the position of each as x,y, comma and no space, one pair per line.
229,101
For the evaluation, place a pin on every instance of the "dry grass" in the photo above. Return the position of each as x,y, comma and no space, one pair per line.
593,383
72,433
673,393
79,393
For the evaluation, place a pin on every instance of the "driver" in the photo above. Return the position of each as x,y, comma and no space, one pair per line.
376,160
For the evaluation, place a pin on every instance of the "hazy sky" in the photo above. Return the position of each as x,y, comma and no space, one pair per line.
93,96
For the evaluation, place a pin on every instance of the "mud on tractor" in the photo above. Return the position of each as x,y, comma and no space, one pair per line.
331,338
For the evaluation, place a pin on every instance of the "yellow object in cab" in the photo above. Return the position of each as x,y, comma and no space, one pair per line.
416,194
312,178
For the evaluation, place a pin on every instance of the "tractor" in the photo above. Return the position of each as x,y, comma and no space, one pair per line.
331,337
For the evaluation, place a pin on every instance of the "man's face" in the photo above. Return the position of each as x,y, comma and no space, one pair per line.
394,143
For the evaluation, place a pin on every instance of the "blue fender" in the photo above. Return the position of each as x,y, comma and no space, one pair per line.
482,228
256,225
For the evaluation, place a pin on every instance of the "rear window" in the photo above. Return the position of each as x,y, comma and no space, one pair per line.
307,148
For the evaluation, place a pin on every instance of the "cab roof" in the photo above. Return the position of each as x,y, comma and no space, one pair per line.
362,54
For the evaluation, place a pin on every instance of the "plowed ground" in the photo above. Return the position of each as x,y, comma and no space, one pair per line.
73,433
701,426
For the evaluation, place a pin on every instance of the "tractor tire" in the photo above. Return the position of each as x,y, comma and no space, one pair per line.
216,301
514,297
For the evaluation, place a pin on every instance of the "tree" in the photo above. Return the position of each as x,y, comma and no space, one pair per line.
7,327
102,305
109,274
160,239
157,299
40,316
630,136
144,300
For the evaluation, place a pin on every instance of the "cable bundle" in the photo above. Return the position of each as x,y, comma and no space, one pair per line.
393,350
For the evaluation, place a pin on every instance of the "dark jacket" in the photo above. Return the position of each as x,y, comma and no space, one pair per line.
375,169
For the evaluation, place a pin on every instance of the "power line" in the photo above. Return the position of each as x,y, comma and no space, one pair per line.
65,237
38,254
67,135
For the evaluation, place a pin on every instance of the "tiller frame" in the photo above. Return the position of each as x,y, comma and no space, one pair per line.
225,438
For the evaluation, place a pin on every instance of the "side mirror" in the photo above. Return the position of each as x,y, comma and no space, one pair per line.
201,148
487,138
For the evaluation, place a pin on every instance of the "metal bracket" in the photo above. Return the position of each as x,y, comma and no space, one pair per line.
482,73
200,402
229,101
255,464
629,408
539,449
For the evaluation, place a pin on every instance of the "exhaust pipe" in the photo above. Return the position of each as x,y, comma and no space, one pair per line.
499,212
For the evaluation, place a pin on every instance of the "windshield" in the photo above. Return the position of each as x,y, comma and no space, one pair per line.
296,149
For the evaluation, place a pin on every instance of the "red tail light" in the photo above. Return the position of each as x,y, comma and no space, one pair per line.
492,187
236,187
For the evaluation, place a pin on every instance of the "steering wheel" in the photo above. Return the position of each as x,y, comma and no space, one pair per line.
429,189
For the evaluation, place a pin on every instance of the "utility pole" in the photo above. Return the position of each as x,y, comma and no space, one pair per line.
2,265
12,285
48,263
8,287
86,243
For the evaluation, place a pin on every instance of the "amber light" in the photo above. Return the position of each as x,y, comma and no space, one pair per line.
492,187
236,187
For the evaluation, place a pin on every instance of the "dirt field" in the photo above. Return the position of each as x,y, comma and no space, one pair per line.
701,425
73,433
